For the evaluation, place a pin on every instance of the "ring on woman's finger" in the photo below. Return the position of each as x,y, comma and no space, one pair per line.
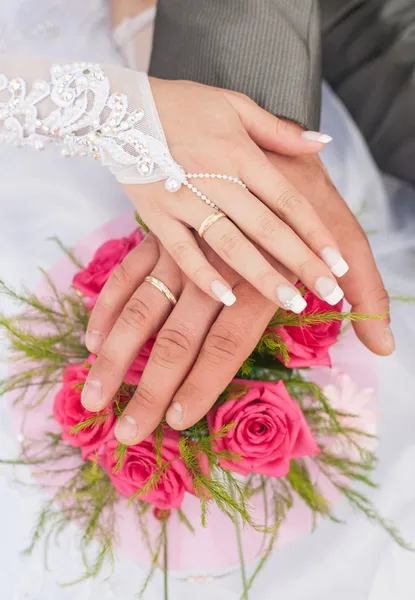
162,287
209,221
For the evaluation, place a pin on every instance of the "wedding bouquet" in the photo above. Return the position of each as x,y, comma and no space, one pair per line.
275,437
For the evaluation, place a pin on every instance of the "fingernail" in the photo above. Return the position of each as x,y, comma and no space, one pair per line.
222,292
93,341
91,396
329,290
126,430
389,339
291,299
333,259
174,415
316,136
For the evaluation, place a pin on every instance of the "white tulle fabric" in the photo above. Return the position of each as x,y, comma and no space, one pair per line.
44,195
80,109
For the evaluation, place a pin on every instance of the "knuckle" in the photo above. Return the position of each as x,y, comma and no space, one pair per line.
172,345
100,311
136,314
105,362
223,343
315,173
282,127
242,96
263,167
264,276
230,243
119,276
313,236
288,202
266,227
380,294
201,273
196,401
180,250
144,398
305,269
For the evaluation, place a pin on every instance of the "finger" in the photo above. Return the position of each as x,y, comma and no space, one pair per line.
274,236
140,319
367,295
273,133
294,209
121,285
298,239
363,285
230,341
183,248
238,252
175,350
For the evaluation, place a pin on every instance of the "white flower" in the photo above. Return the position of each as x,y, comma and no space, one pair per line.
346,396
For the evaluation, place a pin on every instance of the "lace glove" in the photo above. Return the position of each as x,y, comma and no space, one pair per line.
104,112
109,113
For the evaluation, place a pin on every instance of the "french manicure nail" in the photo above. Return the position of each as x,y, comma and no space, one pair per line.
389,339
93,341
333,259
222,292
91,396
329,290
316,136
126,430
291,299
175,414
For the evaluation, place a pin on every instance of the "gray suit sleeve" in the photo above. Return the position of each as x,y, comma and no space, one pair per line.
267,49
369,59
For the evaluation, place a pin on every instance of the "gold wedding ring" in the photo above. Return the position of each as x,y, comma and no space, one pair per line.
162,288
210,220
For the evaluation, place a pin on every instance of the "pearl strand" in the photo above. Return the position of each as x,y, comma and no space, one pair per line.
216,176
200,194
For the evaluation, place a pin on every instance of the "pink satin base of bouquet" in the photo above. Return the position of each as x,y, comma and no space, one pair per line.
212,548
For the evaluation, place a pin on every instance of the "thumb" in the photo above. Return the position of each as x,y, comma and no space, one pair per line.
273,133
364,289
362,284
374,333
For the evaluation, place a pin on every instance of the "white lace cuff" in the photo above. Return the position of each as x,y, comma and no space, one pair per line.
107,113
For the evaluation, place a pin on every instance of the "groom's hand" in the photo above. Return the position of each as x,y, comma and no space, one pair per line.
201,345
199,348
362,285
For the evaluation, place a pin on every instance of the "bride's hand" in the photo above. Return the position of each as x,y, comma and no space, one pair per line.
199,348
214,131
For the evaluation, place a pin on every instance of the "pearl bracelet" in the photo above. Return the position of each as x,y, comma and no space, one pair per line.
200,194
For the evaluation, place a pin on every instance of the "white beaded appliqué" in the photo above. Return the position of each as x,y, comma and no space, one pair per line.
88,119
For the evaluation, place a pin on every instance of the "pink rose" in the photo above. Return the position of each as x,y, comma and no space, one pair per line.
140,464
269,431
92,279
68,411
309,345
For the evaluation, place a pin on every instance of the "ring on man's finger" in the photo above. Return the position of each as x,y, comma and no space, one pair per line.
162,287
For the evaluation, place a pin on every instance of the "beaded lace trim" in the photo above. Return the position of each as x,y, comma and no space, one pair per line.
88,119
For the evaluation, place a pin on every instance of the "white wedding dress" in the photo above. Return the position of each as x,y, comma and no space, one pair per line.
42,195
